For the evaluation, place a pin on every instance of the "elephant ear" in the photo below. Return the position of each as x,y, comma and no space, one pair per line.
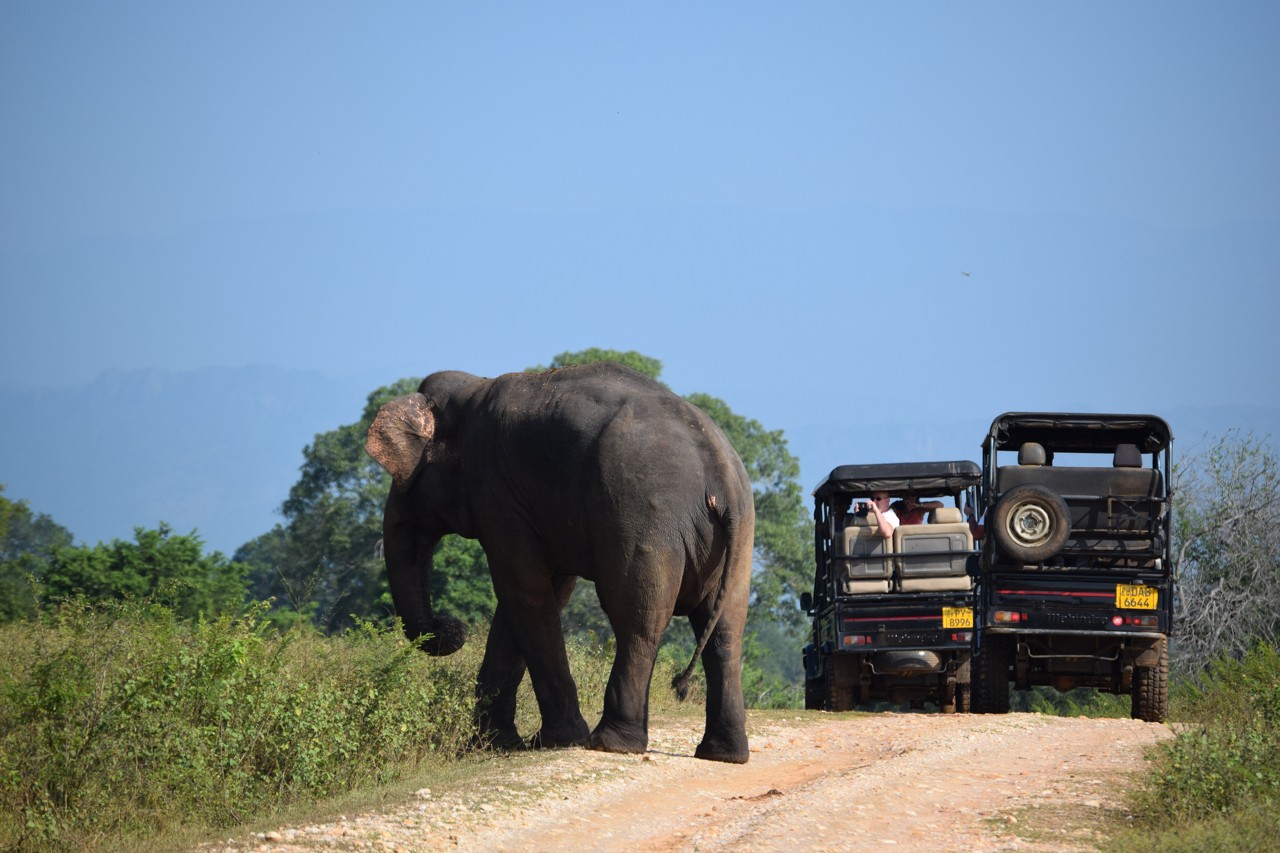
399,436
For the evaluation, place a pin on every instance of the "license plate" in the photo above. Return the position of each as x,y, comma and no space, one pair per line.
958,617
1135,597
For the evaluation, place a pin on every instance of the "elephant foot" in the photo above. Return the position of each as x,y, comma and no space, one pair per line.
556,737
731,750
623,739
500,741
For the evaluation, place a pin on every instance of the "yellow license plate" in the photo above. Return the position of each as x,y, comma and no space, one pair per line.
1135,597
957,617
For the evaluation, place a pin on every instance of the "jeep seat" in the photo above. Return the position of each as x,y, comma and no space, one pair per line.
933,557
871,567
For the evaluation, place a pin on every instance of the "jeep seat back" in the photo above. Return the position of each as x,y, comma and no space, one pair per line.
871,567
932,557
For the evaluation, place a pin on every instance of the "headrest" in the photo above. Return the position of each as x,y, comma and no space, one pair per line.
1031,454
946,515
1127,456
861,519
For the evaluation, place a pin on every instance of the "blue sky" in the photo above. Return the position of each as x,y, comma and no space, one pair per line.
859,223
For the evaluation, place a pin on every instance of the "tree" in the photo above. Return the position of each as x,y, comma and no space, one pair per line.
650,367
158,564
26,542
1226,548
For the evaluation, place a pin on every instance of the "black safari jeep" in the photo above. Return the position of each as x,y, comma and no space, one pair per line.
892,618
1075,587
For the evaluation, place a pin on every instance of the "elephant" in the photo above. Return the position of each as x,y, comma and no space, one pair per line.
593,471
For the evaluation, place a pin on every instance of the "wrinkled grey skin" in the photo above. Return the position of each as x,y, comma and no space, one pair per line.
595,472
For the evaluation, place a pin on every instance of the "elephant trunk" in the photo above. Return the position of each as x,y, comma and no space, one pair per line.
410,581
398,439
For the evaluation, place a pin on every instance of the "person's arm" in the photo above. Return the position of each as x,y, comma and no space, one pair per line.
977,528
883,523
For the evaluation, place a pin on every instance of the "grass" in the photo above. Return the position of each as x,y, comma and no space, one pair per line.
121,724
123,727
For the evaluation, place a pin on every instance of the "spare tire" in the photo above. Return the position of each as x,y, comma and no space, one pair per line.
1031,523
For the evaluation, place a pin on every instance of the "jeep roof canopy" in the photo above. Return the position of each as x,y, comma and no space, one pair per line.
1080,433
917,477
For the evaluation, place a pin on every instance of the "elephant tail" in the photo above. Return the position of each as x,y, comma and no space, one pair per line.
731,557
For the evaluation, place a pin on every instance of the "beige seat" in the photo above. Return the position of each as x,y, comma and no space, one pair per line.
871,574
933,557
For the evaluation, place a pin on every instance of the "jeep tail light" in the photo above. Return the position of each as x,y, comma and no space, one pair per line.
855,640
1008,617
1148,620
962,637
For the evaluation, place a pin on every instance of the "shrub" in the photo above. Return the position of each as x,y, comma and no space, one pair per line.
118,720
1218,780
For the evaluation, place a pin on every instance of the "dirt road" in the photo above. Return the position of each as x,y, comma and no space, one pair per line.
815,782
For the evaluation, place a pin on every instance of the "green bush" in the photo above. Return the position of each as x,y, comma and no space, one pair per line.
119,720
1218,780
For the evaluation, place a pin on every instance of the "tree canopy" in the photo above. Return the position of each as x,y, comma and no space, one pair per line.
40,566
27,542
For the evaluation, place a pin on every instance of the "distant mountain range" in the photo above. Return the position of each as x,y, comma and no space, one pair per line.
213,450
216,450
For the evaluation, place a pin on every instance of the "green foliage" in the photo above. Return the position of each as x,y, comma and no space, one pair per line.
26,543
1218,780
158,564
460,584
119,720
650,367
1080,702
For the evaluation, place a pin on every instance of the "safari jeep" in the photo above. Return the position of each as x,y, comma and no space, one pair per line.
892,618
1075,587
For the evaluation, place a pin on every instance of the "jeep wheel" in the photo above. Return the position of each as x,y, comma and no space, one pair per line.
991,686
1031,523
841,683
1151,688
964,687
814,694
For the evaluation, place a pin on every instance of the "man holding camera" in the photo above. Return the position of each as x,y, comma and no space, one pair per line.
886,518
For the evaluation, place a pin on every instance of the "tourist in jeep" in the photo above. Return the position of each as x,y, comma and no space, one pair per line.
910,510
886,519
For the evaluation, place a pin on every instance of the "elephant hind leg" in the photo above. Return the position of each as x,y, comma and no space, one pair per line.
725,735
624,725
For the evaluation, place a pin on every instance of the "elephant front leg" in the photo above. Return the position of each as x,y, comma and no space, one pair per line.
497,685
531,631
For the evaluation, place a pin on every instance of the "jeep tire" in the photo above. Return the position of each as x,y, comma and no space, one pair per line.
1030,523
991,683
1151,687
